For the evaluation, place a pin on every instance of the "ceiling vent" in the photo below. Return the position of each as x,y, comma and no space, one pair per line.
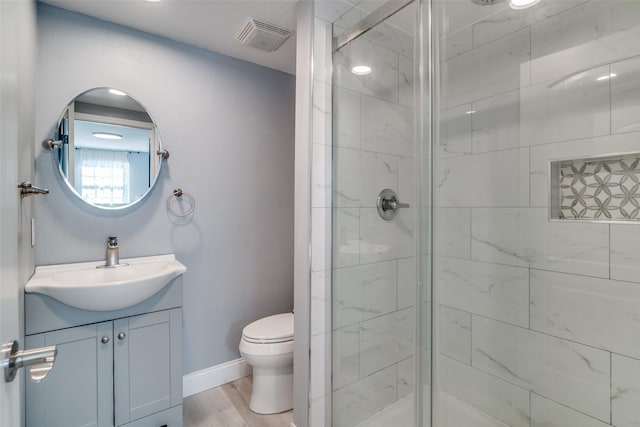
262,35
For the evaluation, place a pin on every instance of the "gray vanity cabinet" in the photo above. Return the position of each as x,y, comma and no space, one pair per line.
121,368
111,373
79,391
147,364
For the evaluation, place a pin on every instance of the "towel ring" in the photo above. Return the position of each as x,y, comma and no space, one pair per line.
177,200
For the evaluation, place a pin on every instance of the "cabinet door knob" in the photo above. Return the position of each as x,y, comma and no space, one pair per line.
104,340
121,335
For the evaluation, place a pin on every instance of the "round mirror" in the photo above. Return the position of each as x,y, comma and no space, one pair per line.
108,149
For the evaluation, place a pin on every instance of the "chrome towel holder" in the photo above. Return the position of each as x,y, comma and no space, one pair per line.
177,200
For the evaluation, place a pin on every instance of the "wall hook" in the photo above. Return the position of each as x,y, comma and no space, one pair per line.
27,189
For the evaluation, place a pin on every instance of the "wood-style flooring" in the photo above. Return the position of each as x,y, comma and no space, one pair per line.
228,406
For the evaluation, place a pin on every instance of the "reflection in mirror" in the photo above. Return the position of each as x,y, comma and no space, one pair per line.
108,151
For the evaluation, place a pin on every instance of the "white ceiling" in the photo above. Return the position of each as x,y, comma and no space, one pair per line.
208,24
213,24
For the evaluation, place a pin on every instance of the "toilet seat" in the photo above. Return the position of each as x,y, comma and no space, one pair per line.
266,341
270,330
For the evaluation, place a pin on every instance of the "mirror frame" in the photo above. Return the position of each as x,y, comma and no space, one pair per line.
55,146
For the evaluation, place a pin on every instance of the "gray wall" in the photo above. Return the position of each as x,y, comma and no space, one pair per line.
229,126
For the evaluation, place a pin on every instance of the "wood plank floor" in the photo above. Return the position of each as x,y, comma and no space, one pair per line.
228,406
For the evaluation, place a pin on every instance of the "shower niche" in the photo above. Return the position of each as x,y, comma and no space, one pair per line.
605,188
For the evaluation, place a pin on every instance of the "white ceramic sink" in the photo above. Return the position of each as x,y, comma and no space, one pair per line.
84,286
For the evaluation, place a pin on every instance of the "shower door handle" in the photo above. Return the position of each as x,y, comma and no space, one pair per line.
388,204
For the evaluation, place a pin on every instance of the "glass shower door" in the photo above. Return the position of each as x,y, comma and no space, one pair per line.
377,252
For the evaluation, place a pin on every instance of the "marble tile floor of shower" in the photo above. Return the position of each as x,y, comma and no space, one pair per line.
228,406
456,413
399,413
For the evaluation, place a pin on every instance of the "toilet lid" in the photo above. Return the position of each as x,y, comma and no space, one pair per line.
272,329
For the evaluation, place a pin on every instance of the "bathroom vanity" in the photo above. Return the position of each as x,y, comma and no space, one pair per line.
116,324
113,368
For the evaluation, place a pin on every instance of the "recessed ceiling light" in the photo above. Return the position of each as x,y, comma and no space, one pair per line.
470,112
361,70
522,4
107,135
117,92
154,1
606,77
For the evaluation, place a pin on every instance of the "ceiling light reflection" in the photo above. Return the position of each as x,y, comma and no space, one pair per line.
522,4
361,70
607,77
107,135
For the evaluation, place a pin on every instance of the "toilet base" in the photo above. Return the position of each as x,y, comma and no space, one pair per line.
272,390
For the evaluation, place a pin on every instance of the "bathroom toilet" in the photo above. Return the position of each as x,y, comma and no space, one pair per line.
267,345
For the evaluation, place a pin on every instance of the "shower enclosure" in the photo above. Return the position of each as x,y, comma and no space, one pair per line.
507,292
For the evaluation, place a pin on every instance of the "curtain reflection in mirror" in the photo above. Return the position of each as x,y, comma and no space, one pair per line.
102,176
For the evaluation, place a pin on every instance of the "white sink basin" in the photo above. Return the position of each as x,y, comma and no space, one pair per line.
84,286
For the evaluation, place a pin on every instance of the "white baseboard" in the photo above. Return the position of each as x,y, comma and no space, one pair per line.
214,376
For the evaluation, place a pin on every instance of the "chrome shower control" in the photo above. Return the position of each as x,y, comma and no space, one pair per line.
388,204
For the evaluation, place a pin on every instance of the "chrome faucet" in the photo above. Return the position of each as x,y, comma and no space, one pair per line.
113,254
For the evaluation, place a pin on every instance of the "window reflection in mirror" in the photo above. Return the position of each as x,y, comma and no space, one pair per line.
109,145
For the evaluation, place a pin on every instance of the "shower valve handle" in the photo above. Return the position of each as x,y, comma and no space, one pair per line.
393,204
388,204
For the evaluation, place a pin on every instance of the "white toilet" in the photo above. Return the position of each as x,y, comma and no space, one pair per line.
267,345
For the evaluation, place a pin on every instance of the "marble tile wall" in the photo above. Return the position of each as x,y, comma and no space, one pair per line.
371,302
538,319
363,285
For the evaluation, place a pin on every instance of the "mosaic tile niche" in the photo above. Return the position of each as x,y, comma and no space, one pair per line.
600,189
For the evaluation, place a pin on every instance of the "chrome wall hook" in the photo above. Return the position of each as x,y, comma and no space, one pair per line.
27,189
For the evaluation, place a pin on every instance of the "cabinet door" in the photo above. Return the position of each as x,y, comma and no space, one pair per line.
147,364
78,391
